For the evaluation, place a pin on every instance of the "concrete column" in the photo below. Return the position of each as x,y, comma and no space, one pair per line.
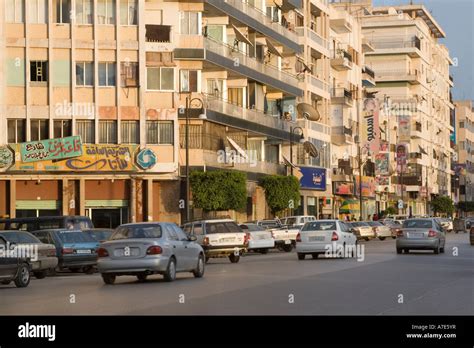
65,196
82,197
149,200
12,198
133,200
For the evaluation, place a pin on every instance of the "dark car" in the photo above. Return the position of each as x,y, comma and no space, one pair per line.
76,250
100,234
13,268
46,223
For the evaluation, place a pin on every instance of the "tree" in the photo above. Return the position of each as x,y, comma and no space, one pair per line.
442,204
390,211
281,192
219,190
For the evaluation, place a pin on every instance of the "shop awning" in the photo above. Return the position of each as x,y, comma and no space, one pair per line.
349,206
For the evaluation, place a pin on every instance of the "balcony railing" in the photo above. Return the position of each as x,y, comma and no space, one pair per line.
368,71
341,93
229,52
389,43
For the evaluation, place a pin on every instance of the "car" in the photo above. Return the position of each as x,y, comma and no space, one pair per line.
421,234
317,236
394,226
381,231
469,222
446,224
76,250
267,223
13,268
260,240
471,235
460,225
285,237
99,234
362,230
45,259
219,238
146,248
297,221
70,222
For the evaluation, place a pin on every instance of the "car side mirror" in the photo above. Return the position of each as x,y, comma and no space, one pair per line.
192,238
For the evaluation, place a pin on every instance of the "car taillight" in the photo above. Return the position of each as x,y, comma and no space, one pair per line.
102,252
246,238
334,236
154,250
399,233
298,237
65,251
205,241
431,233
51,252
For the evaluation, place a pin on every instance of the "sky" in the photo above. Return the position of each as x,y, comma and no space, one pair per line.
456,17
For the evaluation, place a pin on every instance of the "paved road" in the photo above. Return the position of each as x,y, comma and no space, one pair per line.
265,284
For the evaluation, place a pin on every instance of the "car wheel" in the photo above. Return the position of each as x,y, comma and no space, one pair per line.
170,273
263,251
234,258
287,248
367,239
88,270
142,277
6,282
382,238
23,278
40,274
314,255
441,250
436,250
406,251
393,237
301,256
199,271
108,279
399,250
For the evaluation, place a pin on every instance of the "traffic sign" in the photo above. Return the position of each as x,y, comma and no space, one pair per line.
400,204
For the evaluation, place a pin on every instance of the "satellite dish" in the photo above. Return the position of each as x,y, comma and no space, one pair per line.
310,149
272,49
239,36
308,112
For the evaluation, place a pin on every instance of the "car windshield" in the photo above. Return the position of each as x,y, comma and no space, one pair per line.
417,223
290,221
319,226
20,238
359,224
269,224
222,227
137,231
252,227
99,235
74,237
374,223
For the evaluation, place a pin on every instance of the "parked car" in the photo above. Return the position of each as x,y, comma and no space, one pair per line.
393,225
469,222
285,237
421,234
146,248
362,230
100,234
267,223
46,223
76,250
297,221
260,240
13,268
471,235
44,261
315,237
219,238
381,231
446,224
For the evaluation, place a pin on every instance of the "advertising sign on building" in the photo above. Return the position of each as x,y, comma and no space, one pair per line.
51,149
313,178
382,163
343,188
370,126
404,128
368,186
401,151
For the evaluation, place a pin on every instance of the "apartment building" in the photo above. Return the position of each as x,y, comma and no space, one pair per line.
88,118
464,162
413,87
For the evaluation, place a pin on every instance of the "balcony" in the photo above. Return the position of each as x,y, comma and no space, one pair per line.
316,130
313,39
223,112
367,46
341,60
368,77
408,180
416,131
398,75
342,96
341,135
226,57
258,20
315,85
390,45
451,80
341,25
157,37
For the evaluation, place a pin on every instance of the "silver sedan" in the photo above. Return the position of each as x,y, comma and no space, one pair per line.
142,249
421,234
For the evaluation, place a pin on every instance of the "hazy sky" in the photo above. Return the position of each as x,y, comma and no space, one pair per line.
456,17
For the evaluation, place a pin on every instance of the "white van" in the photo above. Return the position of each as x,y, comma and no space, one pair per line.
298,220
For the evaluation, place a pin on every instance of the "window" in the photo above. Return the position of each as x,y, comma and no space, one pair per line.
84,74
15,11
215,87
107,132
62,128
39,129
61,11
161,79
37,11
190,23
157,33
129,74
188,80
159,132
197,231
107,74
84,13
311,206
461,124
85,128
16,131
130,132
38,71
106,11
128,12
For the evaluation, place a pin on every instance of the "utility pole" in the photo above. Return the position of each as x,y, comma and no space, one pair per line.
359,160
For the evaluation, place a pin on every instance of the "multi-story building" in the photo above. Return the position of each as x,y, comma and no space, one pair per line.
464,162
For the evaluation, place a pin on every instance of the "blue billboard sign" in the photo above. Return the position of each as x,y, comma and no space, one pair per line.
313,178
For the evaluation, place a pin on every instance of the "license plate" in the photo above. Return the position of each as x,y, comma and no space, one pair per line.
287,241
224,240
262,237
416,235
88,251
316,238
130,252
